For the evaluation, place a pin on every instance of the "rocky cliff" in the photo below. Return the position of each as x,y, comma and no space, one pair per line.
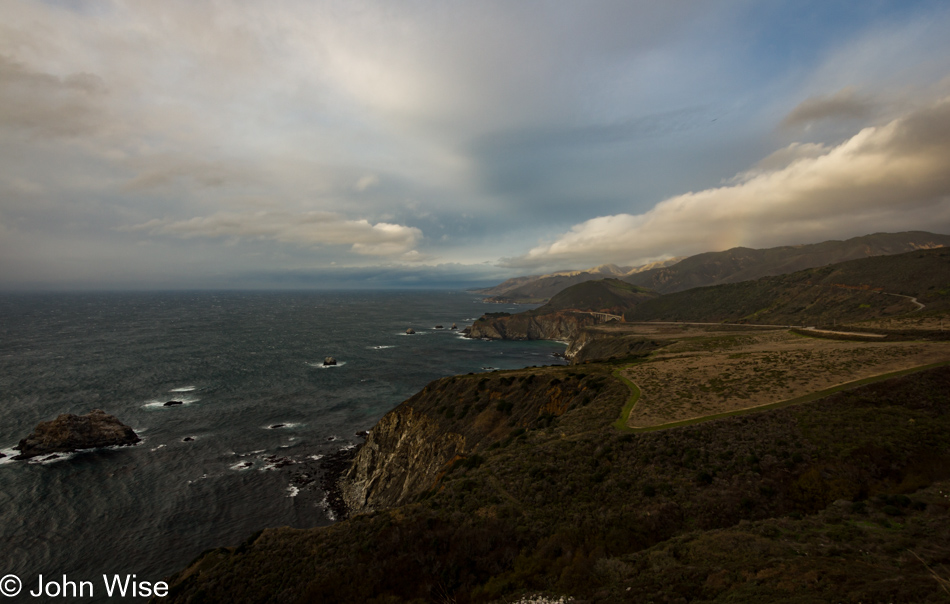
563,325
449,422
600,344
402,457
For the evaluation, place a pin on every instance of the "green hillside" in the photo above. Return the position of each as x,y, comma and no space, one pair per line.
743,264
604,295
849,291
823,502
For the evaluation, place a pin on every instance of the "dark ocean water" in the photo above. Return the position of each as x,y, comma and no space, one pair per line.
241,363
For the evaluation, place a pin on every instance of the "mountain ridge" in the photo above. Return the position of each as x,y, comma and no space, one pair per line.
714,268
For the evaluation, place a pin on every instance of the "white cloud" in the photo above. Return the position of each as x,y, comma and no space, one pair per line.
311,229
885,178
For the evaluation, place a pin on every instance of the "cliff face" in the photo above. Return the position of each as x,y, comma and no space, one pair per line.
592,345
401,458
564,325
413,446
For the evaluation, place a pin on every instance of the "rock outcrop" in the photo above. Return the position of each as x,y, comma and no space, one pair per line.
329,361
450,422
600,344
564,325
401,458
68,433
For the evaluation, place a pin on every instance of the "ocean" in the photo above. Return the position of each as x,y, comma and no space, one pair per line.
259,411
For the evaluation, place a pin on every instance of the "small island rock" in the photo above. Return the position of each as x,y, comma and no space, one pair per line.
329,361
438,327
68,433
454,326
173,403
410,331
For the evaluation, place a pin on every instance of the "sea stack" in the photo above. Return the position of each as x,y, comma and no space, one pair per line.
329,361
438,327
68,433
410,331
454,326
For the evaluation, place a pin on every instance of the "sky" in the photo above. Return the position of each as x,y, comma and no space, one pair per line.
322,144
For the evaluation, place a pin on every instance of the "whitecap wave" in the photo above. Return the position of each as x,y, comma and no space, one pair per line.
9,452
325,504
184,389
378,347
292,490
53,458
242,465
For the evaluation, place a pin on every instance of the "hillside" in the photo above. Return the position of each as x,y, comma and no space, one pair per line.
713,268
850,291
744,264
858,290
538,493
565,314
541,288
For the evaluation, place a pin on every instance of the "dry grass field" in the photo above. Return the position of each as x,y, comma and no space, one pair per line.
713,373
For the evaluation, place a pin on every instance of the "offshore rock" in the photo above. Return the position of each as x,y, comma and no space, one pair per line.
68,433
410,331
329,361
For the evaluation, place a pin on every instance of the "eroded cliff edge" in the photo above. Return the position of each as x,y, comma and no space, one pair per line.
563,325
450,421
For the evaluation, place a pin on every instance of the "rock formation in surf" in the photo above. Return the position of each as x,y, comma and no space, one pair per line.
68,433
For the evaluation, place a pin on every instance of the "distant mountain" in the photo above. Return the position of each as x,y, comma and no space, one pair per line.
743,264
856,290
540,288
712,268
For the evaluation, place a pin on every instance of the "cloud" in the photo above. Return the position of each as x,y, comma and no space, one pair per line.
886,178
310,229
844,104
365,182
46,105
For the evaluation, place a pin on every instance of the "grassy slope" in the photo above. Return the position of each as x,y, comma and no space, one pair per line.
604,295
558,500
743,264
815,296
